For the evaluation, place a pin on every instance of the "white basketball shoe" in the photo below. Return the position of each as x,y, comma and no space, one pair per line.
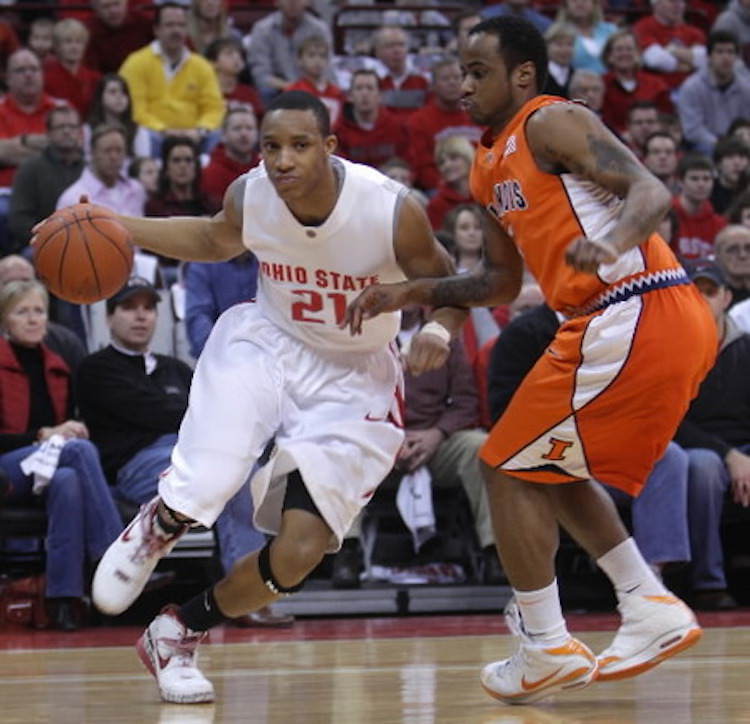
534,672
167,649
653,629
126,566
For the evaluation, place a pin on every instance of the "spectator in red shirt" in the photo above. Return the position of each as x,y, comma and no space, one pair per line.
626,82
314,62
404,91
235,155
698,222
65,75
228,59
367,132
670,46
23,112
642,121
454,156
40,38
661,159
442,117
116,32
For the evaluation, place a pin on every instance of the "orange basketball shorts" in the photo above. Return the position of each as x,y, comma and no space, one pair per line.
607,395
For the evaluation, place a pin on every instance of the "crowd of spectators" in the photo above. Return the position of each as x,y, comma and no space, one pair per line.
154,108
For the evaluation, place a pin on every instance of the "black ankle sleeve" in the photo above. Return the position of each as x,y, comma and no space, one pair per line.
202,612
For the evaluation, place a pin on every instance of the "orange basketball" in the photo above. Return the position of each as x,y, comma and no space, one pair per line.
83,253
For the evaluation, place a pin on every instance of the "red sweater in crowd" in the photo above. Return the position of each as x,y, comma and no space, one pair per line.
442,202
76,88
15,391
108,47
617,99
649,31
406,98
372,146
220,172
426,127
696,232
332,96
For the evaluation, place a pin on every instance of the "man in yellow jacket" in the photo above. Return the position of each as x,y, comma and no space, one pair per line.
174,91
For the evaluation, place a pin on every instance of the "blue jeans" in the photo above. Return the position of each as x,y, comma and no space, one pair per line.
708,483
82,517
138,481
660,513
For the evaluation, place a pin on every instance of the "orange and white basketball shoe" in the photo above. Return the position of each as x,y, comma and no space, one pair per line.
653,629
534,672
167,649
125,568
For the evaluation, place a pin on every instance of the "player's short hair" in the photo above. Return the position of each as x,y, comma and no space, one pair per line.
314,41
693,162
297,100
518,42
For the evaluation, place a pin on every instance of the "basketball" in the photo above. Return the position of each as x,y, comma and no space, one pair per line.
83,253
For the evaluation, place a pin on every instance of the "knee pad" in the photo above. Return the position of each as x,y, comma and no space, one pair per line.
264,565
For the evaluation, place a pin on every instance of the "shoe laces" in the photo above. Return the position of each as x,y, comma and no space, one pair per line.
151,541
182,649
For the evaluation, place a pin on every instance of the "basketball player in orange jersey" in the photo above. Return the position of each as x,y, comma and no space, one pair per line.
280,387
566,197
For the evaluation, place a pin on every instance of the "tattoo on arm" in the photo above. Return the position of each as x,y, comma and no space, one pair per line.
464,290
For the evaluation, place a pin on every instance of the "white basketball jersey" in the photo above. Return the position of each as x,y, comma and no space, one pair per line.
309,274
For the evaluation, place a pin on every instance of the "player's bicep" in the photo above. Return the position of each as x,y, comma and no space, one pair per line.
226,225
418,252
572,137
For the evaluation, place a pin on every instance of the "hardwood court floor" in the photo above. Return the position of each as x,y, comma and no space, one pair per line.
409,670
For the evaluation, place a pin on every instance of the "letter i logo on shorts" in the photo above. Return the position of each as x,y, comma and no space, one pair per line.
557,449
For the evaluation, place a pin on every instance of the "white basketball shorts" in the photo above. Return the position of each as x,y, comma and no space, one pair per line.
334,416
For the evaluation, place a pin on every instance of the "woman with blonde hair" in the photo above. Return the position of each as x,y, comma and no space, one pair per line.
36,408
587,17
453,157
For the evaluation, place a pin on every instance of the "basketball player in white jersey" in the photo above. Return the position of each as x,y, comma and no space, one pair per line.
281,384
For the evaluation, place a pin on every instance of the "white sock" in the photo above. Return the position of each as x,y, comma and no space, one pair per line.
629,572
542,615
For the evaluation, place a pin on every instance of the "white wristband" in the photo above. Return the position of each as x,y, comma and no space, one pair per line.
438,330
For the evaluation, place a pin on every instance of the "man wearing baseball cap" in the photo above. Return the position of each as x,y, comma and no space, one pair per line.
716,435
133,402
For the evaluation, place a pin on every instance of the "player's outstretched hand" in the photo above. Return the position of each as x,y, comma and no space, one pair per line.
426,352
587,254
375,299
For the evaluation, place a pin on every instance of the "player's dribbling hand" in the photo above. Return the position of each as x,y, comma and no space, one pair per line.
426,352
587,254
83,199
375,299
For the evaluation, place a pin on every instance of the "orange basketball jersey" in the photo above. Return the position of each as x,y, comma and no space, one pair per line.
544,212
